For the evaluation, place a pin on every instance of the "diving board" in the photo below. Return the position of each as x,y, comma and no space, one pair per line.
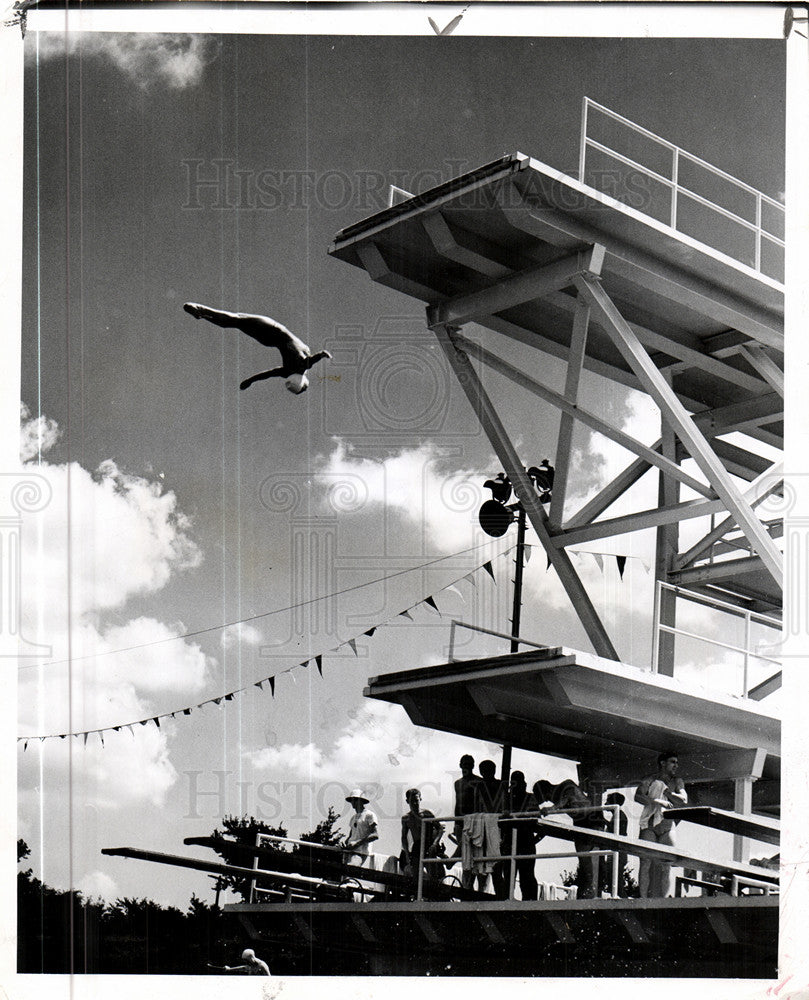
754,827
656,852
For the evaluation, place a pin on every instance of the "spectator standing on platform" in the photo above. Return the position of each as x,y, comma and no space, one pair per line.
568,796
362,832
527,835
412,833
655,793
465,788
490,797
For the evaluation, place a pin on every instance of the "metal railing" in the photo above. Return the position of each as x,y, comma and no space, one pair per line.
749,618
486,631
672,182
513,857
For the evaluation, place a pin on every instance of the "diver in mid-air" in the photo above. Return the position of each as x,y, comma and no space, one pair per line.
296,357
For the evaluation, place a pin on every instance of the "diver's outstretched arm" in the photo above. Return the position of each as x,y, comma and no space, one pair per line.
272,373
317,357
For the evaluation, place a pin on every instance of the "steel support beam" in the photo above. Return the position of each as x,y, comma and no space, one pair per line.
524,286
685,347
611,492
652,518
559,401
682,424
524,489
765,366
712,572
564,444
767,483
378,270
475,256
764,409
641,268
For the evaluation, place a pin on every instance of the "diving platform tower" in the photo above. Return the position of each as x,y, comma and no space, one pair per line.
543,258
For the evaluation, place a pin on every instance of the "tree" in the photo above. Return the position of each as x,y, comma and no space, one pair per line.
324,833
242,829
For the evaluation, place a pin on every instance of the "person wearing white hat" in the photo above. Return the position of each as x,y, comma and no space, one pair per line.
362,831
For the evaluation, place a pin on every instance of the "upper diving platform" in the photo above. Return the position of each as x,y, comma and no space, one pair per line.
697,310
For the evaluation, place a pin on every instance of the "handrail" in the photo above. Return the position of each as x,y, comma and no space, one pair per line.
673,182
513,857
749,618
487,631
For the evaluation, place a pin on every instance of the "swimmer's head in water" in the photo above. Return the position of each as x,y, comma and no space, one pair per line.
297,383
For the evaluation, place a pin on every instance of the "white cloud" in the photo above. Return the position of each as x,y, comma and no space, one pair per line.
119,535
125,536
415,483
162,60
38,435
99,885
241,634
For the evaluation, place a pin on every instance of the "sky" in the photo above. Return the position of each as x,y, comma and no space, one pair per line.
218,169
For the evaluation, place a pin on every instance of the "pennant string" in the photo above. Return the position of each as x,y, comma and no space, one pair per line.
228,696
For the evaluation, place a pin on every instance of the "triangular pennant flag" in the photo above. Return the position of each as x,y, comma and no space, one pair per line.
143,722
621,560
576,553
405,614
65,734
25,746
598,558
549,564
116,729
216,701
85,738
527,553
305,664
186,711
229,697
131,731
470,578
259,685
488,567
101,736
645,565
319,662
431,602
272,685
156,721
353,644
370,632
455,590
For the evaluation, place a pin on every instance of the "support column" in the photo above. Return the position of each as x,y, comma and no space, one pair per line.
666,547
742,803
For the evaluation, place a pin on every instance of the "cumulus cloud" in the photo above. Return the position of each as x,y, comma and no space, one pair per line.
417,483
104,538
38,434
241,634
161,60
111,513
99,885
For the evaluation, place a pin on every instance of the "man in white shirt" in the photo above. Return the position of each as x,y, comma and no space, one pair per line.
362,832
657,792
